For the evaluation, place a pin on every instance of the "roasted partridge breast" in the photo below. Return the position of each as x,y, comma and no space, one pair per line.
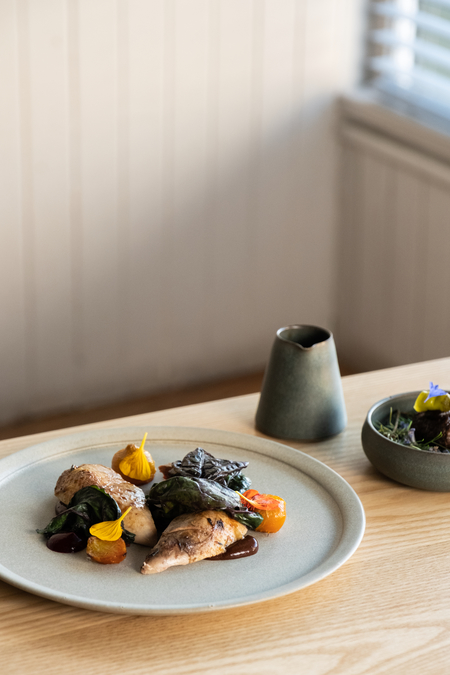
139,520
193,537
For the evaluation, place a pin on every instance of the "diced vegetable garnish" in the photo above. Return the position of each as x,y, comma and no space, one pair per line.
106,552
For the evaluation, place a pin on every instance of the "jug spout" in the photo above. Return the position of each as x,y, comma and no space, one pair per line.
305,337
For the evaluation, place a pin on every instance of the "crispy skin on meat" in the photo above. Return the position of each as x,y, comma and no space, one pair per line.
139,520
193,537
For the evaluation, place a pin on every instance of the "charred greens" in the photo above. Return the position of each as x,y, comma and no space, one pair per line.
240,483
186,494
88,506
201,464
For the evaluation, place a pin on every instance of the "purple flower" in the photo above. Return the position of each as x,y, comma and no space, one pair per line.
435,391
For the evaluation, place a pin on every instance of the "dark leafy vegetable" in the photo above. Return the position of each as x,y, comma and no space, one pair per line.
201,464
88,506
240,483
184,494
250,519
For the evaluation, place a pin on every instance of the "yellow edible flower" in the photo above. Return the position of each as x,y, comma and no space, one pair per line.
136,465
109,530
423,402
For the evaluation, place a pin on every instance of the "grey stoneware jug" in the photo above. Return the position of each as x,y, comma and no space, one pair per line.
301,395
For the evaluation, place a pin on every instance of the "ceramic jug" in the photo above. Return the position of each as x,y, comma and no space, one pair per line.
301,395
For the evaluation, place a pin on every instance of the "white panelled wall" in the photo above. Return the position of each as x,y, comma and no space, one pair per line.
394,253
167,189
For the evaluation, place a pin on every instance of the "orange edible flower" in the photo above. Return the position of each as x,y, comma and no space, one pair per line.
136,465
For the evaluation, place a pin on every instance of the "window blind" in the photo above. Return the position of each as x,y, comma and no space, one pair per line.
409,51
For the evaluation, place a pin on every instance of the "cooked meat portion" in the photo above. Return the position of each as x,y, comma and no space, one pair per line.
139,520
193,537
429,424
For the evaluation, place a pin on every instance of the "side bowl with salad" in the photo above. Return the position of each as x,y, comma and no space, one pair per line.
408,464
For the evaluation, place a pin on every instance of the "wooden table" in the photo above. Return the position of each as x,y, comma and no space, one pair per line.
386,610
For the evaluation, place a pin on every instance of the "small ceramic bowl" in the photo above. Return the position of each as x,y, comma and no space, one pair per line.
416,468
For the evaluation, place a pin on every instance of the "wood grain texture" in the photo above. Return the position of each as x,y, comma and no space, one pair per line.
386,610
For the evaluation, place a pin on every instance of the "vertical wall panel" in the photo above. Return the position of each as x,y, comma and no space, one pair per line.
279,208
435,274
350,300
408,240
393,273
185,231
13,397
147,272
27,195
100,290
75,195
51,235
125,282
230,269
321,69
377,184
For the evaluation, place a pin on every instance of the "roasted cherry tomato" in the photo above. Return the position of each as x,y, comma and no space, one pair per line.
270,507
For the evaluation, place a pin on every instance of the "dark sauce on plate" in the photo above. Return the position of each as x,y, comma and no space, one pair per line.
240,549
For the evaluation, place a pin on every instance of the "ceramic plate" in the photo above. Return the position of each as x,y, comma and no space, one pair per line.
324,526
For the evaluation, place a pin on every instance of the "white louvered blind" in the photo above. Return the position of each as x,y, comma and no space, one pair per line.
409,53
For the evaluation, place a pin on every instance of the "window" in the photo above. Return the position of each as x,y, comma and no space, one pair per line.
409,51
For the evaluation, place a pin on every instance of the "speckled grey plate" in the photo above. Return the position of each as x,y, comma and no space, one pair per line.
324,526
